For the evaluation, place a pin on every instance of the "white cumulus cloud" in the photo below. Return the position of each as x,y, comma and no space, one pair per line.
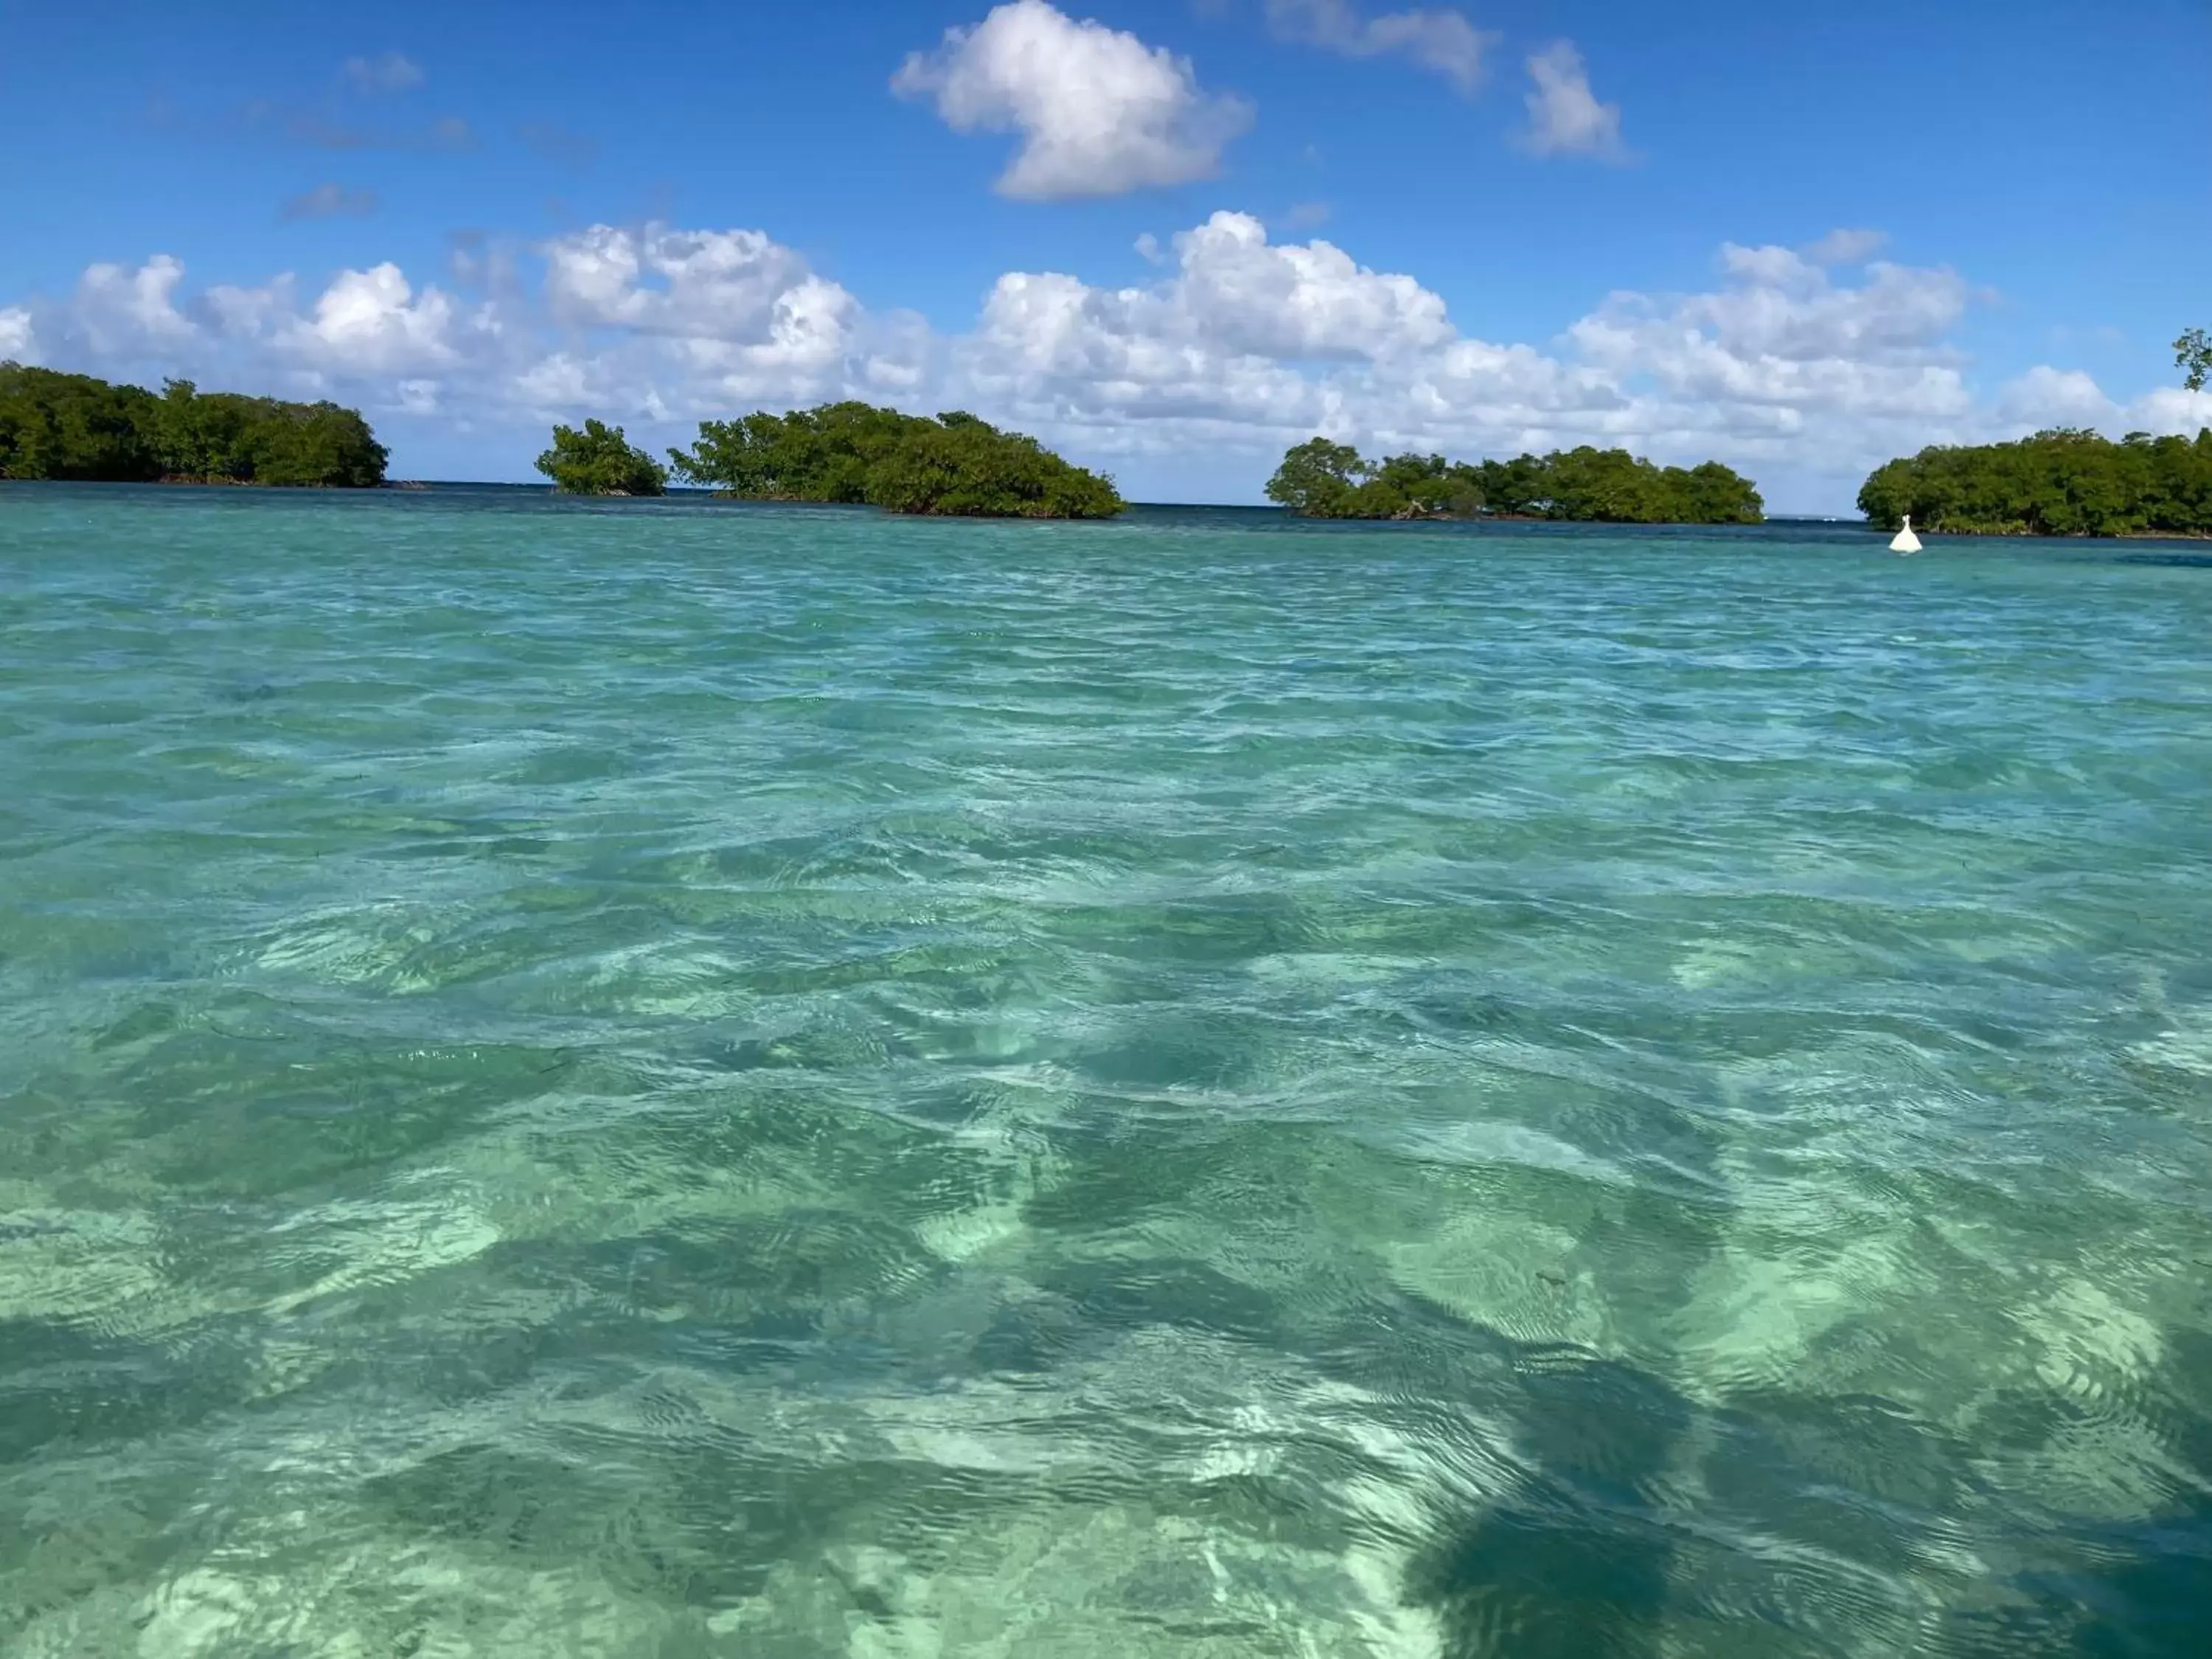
248,313
121,309
1804,367
1233,290
1097,111
2047,397
374,322
1564,116
2168,408
705,284
1442,40
1250,344
710,320
19,341
1779,343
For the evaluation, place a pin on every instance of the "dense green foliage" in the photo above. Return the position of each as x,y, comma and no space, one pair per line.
2193,354
72,426
955,465
1323,480
2061,482
599,461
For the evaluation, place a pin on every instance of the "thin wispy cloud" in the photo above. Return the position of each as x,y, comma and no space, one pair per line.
1441,41
328,201
391,72
558,144
315,129
1847,247
332,119
1564,116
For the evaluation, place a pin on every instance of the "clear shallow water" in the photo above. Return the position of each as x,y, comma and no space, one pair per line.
672,1079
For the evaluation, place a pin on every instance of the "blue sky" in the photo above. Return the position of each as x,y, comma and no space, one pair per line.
1169,236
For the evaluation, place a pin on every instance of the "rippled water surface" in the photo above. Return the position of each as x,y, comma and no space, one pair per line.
683,1080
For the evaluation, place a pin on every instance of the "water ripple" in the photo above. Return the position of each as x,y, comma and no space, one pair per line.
678,1079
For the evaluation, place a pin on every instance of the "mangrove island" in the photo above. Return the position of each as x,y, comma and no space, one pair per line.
1319,479
2066,482
953,465
599,461
74,427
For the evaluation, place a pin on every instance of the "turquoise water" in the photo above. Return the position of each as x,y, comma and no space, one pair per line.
678,1079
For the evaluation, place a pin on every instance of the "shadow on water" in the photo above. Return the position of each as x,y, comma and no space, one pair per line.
1582,1562
1574,1565
2140,1588
1594,1558
1777,1520
2149,1600
1577,1564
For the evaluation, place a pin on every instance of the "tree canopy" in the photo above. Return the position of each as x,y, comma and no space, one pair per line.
75,427
1320,479
953,465
2066,482
599,461
2193,354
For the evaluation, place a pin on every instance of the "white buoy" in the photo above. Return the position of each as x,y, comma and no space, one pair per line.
1905,541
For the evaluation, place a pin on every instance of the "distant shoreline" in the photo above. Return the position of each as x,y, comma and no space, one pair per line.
1777,521
2063,535
187,481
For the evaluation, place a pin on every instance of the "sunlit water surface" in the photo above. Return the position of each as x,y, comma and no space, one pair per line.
676,1079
